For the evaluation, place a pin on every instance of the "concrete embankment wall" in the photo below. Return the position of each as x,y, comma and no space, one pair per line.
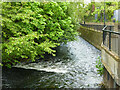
111,62
94,37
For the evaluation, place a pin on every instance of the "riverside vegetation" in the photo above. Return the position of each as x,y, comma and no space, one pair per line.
31,29
99,66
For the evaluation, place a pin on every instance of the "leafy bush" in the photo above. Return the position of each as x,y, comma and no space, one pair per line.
99,66
31,29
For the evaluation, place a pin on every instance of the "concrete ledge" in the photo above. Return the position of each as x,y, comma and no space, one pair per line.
111,63
115,56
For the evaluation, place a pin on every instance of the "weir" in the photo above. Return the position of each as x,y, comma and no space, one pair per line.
108,41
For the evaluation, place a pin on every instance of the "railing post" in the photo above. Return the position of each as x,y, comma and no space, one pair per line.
110,39
103,37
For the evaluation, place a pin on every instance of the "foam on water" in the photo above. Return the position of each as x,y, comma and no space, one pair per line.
42,68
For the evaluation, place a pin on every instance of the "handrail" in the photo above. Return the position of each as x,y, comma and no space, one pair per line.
104,27
112,32
96,27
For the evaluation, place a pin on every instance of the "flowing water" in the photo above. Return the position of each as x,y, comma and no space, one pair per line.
73,67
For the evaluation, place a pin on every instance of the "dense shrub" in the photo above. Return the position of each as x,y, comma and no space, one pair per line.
31,29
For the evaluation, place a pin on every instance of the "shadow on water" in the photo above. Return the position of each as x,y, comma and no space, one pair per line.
72,67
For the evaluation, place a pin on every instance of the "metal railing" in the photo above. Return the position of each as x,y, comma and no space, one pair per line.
110,36
96,27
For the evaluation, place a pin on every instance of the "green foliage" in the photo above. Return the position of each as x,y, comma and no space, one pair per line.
31,29
119,5
1,64
99,9
99,66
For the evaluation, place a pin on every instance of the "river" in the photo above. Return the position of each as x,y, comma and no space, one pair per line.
72,67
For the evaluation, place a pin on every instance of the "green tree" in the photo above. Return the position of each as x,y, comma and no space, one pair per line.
99,9
31,29
109,10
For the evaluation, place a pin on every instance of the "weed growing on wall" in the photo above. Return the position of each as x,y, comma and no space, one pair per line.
99,66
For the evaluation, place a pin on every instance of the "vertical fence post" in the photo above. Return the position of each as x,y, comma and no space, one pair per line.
108,77
114,84
103,37
94,28
110,39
